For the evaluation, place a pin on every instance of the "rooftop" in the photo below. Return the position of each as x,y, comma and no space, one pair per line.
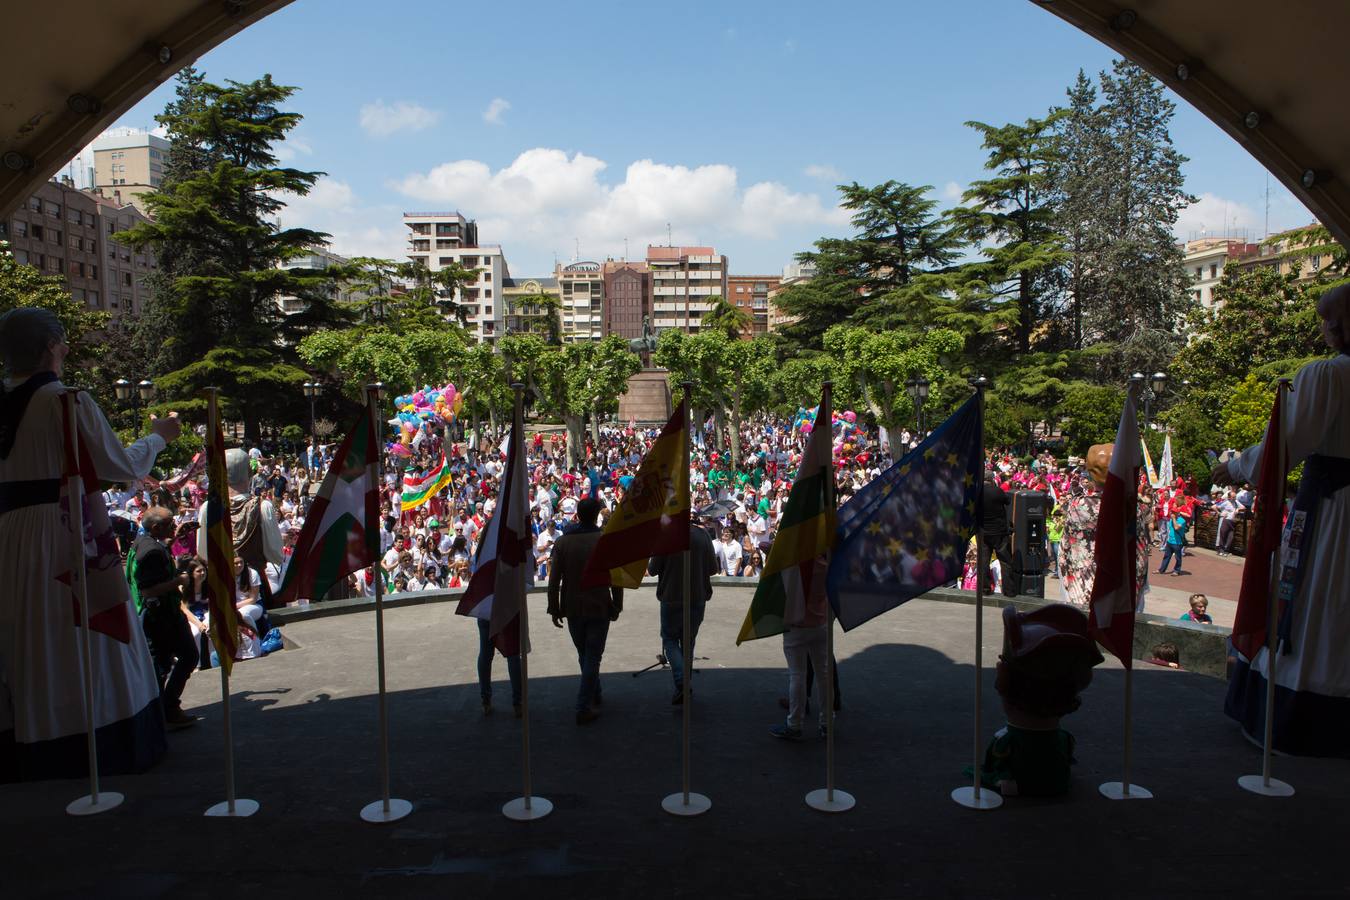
305,727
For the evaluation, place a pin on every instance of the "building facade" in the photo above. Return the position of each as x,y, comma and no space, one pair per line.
793,273
129,163
124,268
628,298
1288,252
750,294
57,232
316,261
525,314
684,279
582,287
437,240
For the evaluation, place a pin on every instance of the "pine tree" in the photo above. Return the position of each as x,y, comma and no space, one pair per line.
1078,189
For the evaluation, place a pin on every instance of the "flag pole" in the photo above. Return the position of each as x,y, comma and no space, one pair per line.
528,807
829,799
385,809
96,801
1123,789
976,796
686,803
232,807
1264,784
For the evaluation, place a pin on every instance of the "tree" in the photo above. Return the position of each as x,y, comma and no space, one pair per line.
355,357
22,285
1078,190
217,227
725,316
1011,214
1246,412
894,267
1092,415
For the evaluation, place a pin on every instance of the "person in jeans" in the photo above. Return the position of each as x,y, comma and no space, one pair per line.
486,650
804,643
669,572
1176,541
588,611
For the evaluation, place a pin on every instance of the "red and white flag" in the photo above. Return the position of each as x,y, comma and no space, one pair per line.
1263,540
1115,588
496,590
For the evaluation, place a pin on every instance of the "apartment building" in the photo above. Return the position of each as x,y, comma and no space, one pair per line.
628,298
1286,252
124,267
57,232
582,287
525,314
317,261
439,239
793,273
750,294
684,279
129,163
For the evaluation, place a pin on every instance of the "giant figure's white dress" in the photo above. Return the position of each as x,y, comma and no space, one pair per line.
42,723
1312,679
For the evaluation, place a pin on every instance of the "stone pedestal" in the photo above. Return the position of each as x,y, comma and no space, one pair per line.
647,400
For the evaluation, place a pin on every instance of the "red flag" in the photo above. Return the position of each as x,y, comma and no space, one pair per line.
1115,588
1263,540
220,573
496,590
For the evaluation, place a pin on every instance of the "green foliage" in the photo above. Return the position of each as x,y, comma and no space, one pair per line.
1246,413
1091,415
871,368
725,316
293,434
22,285
358,356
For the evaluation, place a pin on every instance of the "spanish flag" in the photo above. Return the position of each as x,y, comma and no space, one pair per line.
417,491
653,517
220,574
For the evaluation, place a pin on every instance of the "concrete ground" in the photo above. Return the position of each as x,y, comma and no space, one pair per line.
1203,571
305,729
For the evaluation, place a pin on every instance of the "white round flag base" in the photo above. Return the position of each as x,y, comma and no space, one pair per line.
519,812
1114,790
1257,785
376,813
697,805
983,799
820,800
242,809
85,806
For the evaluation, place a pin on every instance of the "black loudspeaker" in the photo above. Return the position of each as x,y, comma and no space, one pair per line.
1029,548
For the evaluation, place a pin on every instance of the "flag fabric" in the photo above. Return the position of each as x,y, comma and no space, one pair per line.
1153,479
194,469
1263,540
652,519
1115,589
907,530
496,590
419,490
341,534
1165,474
220,573
794,570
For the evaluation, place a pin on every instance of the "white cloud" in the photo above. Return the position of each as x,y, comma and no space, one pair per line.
823,172
545,200
333,207
292,148
1214,216
380,119
951,191
493,114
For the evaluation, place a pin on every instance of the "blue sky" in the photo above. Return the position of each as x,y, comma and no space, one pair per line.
566,127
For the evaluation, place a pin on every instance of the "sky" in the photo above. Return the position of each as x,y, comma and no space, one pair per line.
588,130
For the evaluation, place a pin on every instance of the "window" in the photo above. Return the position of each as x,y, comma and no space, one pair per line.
126,279
4,229
55,235
740,289
1199,272
35,204
92,297
1213,270
75,268
445,245
1317,262
54,210
93,271
37,232
487,293
21,257
76,243
20,228
54,264
446,260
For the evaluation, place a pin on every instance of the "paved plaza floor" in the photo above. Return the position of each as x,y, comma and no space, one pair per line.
305,727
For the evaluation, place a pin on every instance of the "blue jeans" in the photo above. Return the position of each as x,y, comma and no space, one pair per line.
1169,550
672,629
1054,557
485,651
589,635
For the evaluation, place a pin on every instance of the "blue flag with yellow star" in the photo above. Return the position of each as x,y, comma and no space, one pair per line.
906,531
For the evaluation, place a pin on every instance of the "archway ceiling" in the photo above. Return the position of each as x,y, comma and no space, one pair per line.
1239,58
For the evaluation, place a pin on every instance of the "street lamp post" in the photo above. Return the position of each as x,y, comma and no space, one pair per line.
1154,391
918,392
312,389
136,396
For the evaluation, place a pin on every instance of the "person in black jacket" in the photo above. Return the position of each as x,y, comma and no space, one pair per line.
669,572
997,537
164,618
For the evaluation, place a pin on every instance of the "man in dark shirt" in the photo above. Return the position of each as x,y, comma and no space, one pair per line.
164,618
994,524
588,611
669,572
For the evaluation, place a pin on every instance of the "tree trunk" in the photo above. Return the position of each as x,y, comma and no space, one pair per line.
736,431
575,437
477,424
595,429
719,428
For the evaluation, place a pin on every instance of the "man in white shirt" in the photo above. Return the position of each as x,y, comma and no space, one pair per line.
728,553
543,548
757,528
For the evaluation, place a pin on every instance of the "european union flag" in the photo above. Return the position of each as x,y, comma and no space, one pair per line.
906,532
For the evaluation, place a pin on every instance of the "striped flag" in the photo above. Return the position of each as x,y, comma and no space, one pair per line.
341,534
795,569
1116,589
653,518
496,590
417,491
220,574
1263,541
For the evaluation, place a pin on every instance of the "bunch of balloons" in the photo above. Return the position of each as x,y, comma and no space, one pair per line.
424,409
848,435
